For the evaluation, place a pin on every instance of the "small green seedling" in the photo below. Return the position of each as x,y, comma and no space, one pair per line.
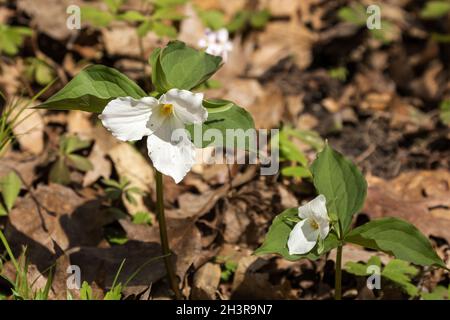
12,38
325,223
357,15
10,185
228,268
39,71
121,189
298,163
21,287
400,273
159,20
68,146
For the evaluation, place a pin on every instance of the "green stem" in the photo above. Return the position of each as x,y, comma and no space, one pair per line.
171,276
338,274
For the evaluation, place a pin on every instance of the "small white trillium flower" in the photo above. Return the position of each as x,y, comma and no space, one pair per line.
314,224
217,43
163,120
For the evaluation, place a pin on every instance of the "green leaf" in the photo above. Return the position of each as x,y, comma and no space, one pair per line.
10,187
59,173
444,109
86,291
96,17
114,294
167,13
439,293
299,172
164,30
142,217
398,238
132,16
113,5
259,19
223,115
3,211
239,21
355,14
80,162
278,234
11,38
44,74
341,183
360,269
401,273
213,19
182,67
435,9
92,89
70,144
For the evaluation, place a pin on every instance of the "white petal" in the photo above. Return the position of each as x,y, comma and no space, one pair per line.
222,35
188,106
324,228
127,118
302,238
176,158
316,208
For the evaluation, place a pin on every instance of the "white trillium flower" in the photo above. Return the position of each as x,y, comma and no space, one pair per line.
314,224
217,43
163,121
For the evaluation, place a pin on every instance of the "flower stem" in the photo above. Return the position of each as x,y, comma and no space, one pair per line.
171,276
338,274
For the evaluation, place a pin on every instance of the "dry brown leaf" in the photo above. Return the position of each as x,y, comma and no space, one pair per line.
29,130
52,20
280,40
206,281
420,197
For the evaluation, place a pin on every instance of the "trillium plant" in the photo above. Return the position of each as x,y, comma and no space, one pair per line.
325,223
167,116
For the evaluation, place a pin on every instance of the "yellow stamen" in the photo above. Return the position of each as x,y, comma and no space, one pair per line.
314,224
167,109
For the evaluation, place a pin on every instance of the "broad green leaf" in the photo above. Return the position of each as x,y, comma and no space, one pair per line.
401,273
92,89
10,188
435,9
182,67
59,173
278,234
239,21
290,151
398,238
341,183
223,115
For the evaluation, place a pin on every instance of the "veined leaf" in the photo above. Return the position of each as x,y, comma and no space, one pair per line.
341,183
10,188
398,238
92,89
